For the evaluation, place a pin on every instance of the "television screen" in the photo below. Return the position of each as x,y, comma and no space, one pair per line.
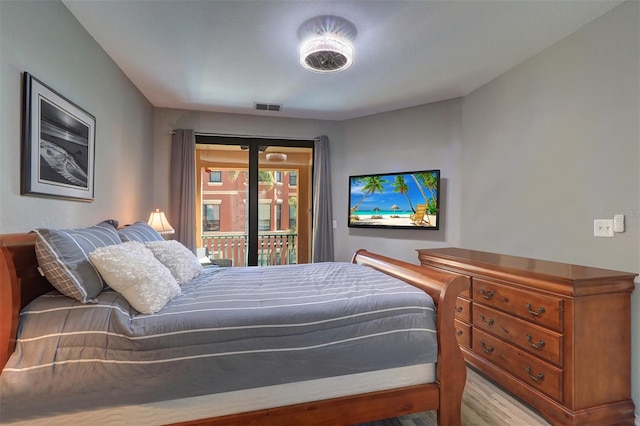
408,200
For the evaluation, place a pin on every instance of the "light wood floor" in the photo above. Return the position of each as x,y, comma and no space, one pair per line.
483,404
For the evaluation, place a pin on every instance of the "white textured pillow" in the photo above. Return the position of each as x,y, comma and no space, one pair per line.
133,271
182,263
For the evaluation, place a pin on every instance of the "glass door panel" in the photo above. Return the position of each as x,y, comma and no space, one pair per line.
275,228
285,228
223,193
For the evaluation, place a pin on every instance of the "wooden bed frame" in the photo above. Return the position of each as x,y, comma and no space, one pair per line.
20,282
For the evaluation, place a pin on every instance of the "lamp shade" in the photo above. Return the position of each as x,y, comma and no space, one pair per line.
159,222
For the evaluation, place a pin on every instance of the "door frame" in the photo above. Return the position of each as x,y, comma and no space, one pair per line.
305,179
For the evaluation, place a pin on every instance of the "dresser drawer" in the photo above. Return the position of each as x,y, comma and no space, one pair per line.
540,309
463,310
534,339
463,333
531,370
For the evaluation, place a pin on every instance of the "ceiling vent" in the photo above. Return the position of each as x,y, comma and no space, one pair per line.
267,107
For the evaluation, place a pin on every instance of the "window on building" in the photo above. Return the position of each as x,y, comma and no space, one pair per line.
292,216
293,178
215,176
278,176
211,217
264,217
278,216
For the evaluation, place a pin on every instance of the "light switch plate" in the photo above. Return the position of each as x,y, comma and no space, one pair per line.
618,223
603,228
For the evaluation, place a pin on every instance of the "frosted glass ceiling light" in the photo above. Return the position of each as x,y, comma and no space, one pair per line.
326,54
276,156
326,44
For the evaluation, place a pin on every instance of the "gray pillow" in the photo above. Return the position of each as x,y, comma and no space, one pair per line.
63,258
139,231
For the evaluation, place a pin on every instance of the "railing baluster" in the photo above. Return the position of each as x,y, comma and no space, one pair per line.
274,248
289,244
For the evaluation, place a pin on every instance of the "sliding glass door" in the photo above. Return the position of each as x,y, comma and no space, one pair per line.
254,200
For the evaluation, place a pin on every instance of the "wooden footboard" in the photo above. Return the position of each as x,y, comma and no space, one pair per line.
20,282
444,288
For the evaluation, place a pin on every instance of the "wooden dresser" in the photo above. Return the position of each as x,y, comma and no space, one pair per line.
556,335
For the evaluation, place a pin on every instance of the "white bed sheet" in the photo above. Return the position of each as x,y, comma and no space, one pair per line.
246,400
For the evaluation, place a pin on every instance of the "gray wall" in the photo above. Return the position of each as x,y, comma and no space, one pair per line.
554,144
44,39
167,119
419,138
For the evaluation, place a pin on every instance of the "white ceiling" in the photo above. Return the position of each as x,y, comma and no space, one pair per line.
226,55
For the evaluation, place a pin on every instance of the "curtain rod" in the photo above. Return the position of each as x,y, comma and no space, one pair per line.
172,132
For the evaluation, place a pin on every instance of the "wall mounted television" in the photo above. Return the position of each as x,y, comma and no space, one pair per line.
407,200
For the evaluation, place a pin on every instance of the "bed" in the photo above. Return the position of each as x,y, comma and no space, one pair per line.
304,396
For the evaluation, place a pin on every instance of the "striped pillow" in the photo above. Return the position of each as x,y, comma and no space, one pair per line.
63,258
139,231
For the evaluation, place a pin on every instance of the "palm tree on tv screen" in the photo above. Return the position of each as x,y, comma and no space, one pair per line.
371,184
429,181
400,186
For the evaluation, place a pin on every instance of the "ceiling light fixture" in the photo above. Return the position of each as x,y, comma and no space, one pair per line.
276,156
326,54
326,44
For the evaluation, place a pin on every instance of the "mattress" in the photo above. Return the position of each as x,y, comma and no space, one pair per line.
206,406
232,329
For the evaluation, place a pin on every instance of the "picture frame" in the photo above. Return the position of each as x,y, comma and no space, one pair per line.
58,145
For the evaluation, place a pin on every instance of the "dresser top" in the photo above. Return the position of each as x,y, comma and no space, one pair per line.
507,263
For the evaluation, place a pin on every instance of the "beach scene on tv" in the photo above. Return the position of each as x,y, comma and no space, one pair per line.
407,200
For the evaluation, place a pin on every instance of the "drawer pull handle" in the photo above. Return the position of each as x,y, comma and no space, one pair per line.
538,378
538,345
485,322
486,294
486,349
459,333
459,308
537,313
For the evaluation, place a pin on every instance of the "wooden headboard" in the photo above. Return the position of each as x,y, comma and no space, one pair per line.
20,283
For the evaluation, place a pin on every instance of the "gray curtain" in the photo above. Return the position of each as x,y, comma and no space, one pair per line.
322,238
182,198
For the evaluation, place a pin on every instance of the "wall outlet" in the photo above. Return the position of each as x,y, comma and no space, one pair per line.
603,228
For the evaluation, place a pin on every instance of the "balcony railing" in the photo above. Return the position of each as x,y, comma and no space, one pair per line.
274,248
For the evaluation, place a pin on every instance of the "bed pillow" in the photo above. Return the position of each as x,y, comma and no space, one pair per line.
139,231
63,258
182,263
133,271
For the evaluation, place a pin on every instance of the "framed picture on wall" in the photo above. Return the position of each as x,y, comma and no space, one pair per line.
58,145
